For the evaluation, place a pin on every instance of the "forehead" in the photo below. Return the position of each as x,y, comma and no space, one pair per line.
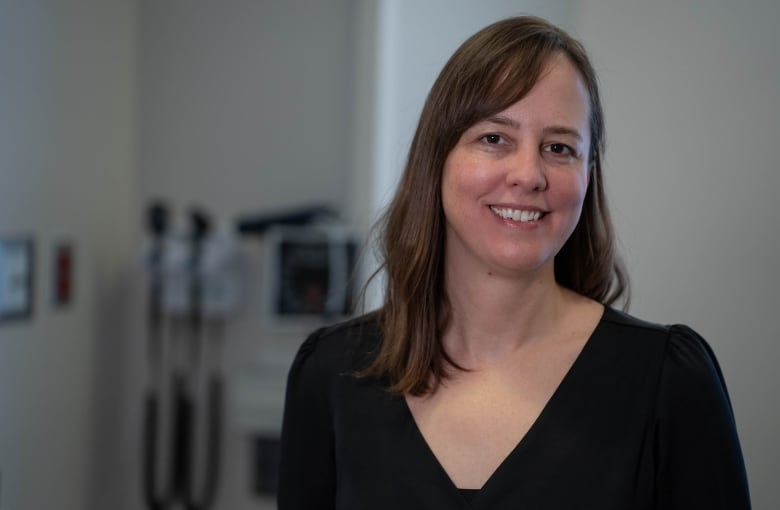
559,96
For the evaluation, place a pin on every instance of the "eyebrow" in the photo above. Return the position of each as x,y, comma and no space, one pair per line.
563,130
549,130
503,121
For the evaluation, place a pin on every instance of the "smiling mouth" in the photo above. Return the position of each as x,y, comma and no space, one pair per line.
520,215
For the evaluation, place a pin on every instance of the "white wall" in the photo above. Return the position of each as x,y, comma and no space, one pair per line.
65,173
692,99
256,93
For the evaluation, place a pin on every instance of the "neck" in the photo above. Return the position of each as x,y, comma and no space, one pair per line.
494,316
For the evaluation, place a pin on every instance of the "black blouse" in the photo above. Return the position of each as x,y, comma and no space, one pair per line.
642,420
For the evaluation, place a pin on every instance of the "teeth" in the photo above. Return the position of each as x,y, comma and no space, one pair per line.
516,214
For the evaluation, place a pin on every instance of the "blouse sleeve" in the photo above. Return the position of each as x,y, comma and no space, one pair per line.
700,462
306,471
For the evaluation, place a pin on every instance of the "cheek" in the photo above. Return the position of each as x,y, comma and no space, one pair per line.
569,190
459,194
465,177
447,190
457,185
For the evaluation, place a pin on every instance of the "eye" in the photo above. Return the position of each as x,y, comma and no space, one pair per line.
560,148
559,152
492,139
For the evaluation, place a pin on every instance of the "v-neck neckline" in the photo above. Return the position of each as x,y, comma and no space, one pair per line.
536,428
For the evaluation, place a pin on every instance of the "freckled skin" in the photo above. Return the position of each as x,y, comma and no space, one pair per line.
533,155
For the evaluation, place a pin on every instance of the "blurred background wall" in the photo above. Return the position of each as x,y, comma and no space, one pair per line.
692,93
242,106
67,173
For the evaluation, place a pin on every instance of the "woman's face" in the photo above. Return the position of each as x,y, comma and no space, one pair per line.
514,184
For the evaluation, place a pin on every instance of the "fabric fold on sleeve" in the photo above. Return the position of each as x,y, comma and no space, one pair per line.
699,458
306,472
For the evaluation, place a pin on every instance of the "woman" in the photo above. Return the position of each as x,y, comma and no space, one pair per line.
497,375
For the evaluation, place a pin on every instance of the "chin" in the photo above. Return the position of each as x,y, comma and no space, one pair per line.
522,266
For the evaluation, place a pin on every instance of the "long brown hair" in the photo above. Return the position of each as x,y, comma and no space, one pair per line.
491,71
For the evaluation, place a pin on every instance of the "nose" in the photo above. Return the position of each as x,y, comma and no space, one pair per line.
525,169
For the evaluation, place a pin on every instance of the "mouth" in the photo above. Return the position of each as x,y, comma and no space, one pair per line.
520,215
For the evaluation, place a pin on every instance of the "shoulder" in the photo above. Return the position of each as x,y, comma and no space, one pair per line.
628,340
678,340
631,324
699,459
344,347
684,356
687,364
691,374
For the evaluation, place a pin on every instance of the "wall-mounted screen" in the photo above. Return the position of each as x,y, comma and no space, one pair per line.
308,274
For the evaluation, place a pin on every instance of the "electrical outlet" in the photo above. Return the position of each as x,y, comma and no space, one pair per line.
16,278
